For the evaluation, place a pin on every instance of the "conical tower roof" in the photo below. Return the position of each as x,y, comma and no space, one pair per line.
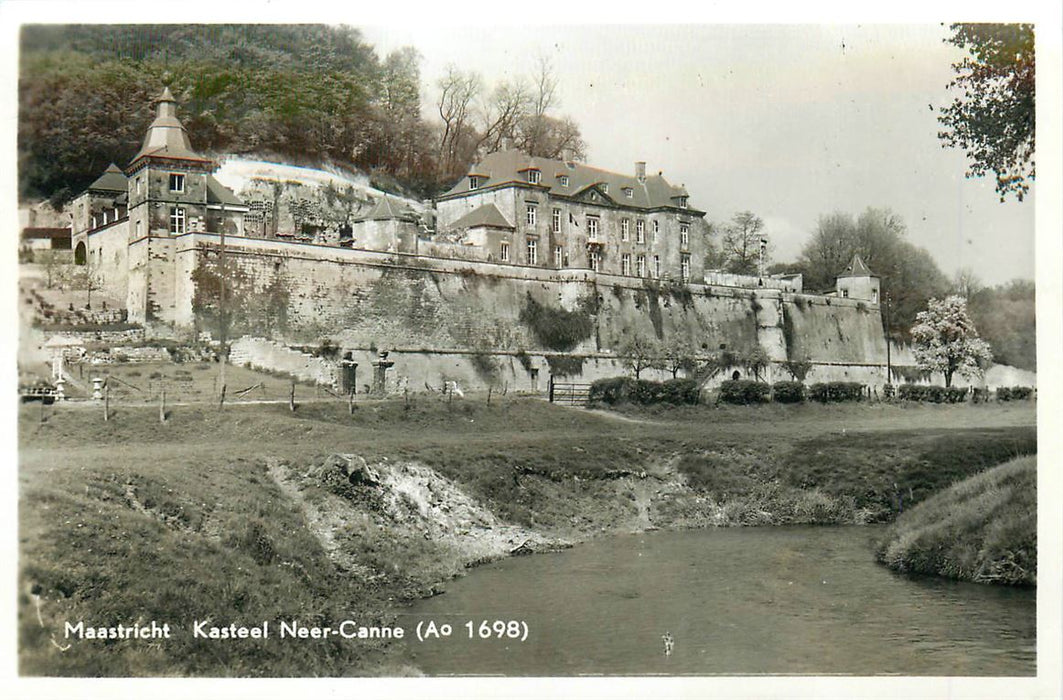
857,268
166,137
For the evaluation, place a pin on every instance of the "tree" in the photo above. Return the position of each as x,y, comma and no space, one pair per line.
994,119
457,139
743,239
639,353
677,354
946,341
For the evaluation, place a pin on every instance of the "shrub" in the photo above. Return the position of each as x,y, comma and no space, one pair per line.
565,365
932,394
834,392
557,329
616,390
788,392
889,391
744,391
979,395
1015,393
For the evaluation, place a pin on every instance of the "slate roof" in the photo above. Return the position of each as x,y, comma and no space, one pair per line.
166,137
857,268
218,193
486,215
112,180
43,233
502,167
386,209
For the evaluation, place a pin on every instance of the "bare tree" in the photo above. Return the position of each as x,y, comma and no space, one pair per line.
509,105
742,241
459,90
966,283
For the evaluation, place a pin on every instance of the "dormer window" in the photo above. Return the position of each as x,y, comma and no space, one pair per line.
177,182
682,202
474,182
534,176
605,187
564,180
629,193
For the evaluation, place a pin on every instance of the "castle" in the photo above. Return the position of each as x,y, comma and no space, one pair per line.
517,242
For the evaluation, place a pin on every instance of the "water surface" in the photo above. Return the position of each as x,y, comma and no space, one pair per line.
798,600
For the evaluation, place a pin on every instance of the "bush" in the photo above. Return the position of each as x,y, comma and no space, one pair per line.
835,392
788,392
744,391
889,391
617,390
979,395
1015,393
932,394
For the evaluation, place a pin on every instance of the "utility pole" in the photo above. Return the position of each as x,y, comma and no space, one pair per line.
223,312
889,366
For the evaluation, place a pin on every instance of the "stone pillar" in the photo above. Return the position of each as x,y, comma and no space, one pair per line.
97,388
348,375
380,371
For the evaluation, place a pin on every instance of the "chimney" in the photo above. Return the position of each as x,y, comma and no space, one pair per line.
640,170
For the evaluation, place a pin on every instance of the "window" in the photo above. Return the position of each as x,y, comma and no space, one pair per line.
104,217
177,220
93,221
555,222
474,182
640,266
640,231
137,181
529,214
682,201
564,180
625,226
534,176
140,228
874,295
684,267
533,252
629,193
656,229
684,235
177,182
592,229
503,252
625,264
559,257
605,187
845,293
657,266
596,260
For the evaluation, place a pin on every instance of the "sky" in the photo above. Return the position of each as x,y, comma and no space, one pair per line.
791,122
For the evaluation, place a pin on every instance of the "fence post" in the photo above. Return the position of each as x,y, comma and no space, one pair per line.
291,397
162,406
550,389
106,403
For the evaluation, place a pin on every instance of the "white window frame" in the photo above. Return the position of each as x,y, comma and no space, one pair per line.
640,265
564,180
532,251
179,179
605,187
535,176
625,229
178,220
657,266
684,267
559,256
137,180
592,229
503,251
684,235
530,213
682,202
555,224
629,193
656,229
640,231
474,182
625,264
596,261
140,228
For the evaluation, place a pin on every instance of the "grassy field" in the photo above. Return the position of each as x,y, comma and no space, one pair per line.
131,519
983,529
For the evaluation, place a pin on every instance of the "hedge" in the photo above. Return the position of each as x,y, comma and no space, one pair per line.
1015,393
788,392
744,391
836,392
617,390
932,394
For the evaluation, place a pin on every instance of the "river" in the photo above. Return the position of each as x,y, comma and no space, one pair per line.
791,600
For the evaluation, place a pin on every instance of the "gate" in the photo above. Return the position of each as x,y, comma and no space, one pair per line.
569,394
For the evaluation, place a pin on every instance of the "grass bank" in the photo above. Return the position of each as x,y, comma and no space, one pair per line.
983,529
233,516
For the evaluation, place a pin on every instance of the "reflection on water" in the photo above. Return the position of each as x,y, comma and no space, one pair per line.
736,601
